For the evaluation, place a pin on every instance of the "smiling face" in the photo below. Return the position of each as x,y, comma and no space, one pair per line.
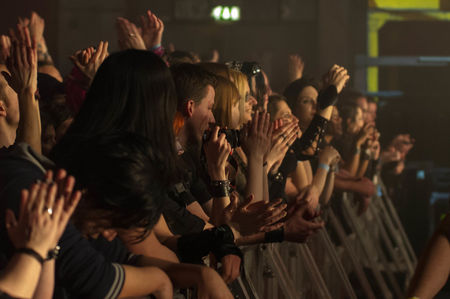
250,102
202,115
335,124
283,112
355,125
306,106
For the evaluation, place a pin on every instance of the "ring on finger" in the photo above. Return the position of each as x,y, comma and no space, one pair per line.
49,211
131,35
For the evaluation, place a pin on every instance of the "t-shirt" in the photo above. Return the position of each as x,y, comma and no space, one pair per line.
84,268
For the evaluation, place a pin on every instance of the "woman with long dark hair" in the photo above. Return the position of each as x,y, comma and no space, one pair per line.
133,91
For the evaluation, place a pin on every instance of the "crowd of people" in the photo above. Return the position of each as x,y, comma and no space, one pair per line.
143,171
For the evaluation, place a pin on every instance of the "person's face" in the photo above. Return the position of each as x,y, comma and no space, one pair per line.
235,116
250,102
306,106
268,90
10,102
284,113
336,122
372,111
202,115
62,129
48,139
355,125
362,103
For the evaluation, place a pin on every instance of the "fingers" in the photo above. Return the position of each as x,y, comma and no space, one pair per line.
50,200
247,201
32,196
41,196
271,227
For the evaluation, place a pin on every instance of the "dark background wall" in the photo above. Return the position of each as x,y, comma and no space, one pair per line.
322,31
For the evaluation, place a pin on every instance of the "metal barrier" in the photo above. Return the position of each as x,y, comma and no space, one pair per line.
367,256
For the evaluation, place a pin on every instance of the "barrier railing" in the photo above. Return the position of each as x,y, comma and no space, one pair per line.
356,256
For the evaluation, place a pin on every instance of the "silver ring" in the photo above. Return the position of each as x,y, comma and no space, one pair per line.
50,211
131,35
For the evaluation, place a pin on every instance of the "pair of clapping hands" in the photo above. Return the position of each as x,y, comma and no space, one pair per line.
253,216
45,210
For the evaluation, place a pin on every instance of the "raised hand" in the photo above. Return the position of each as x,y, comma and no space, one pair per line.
337,76
254,216
152,30
296,66
42,219
128,35
89,60
364,135
217,150
5,48
258,135
37,26
22,62
282,139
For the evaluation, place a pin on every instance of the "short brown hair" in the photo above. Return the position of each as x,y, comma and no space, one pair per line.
190,83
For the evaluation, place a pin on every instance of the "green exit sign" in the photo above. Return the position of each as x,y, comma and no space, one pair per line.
226,13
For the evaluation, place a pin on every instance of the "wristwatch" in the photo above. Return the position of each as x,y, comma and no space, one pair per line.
53,253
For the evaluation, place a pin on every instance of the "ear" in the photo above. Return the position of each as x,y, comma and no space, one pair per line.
348,121
190,107
2,109
109,234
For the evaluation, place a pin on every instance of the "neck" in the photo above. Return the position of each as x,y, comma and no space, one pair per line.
328,138
183,137
7,134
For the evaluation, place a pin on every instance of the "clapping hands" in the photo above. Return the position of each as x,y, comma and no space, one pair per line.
89,60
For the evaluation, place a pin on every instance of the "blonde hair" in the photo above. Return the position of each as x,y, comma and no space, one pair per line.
226,97
240,81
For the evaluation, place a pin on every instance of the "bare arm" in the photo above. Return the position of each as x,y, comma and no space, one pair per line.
433,269
21,276
46,283
142,281
328,189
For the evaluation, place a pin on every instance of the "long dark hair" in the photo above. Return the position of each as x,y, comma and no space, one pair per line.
294,89
121,183
133,91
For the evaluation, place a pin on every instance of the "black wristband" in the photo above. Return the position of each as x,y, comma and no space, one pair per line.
218,240
224,243
220,188
327,97
274,236
32,253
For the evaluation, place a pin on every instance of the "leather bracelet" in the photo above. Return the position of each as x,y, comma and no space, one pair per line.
31,252
220,188
274,236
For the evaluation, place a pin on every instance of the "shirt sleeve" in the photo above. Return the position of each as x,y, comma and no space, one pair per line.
85,272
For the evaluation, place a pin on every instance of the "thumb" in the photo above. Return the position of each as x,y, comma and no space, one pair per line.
248,201
233,203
